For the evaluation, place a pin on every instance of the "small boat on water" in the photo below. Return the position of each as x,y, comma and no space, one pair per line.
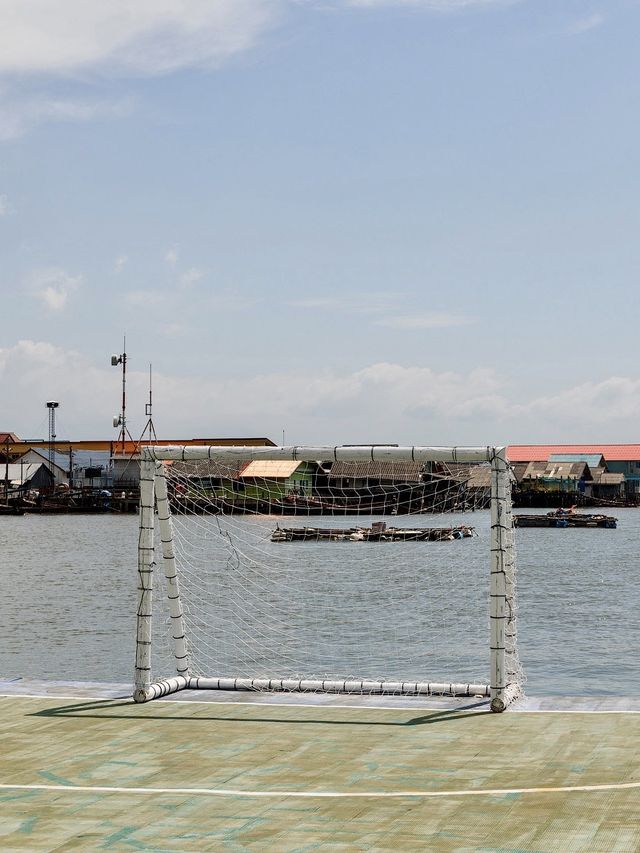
566,518
11,509
378,532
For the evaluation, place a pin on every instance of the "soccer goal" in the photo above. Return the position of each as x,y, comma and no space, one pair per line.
372,569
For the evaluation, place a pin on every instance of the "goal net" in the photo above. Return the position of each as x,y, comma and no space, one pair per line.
356,569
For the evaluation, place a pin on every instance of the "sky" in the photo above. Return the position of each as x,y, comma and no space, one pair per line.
344,221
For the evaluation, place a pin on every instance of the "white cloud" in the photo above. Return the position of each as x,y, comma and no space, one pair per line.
53,287
171,256
173,330
591,22
594,403
392,402
190,277
120,263
20,113
437,5
381,402
4,205
383,307
433,320
322,302
83,40
373,302
161,303
231,300
143,37
148,298
41,371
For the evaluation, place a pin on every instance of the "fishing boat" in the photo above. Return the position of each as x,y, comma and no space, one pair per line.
11,509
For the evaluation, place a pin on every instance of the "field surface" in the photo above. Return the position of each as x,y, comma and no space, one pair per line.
84,774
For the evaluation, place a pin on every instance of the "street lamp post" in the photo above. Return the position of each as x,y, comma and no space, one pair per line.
7,443
52,405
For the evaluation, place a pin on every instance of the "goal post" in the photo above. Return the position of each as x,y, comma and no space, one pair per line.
237,605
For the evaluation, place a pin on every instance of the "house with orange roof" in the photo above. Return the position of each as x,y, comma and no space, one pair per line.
618,459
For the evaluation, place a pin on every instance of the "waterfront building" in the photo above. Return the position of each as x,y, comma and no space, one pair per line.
618,459
20,477
57,466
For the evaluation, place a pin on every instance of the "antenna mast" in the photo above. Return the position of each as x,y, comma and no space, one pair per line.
121,419
148,410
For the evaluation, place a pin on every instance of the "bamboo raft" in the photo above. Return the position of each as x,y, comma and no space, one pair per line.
566,519
378,532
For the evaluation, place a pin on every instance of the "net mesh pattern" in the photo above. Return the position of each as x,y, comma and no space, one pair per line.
375,571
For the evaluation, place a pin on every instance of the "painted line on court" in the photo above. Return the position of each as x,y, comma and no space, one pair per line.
229,792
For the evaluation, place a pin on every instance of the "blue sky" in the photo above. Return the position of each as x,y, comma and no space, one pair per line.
354,221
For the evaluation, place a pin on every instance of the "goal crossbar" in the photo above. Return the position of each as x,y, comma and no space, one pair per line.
324,453
503,687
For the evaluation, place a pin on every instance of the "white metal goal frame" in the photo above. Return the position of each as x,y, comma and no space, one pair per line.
504,684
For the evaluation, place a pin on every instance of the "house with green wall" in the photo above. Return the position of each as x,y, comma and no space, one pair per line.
270,479
234,481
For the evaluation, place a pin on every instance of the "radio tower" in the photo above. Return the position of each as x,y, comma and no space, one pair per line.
148,410
121,419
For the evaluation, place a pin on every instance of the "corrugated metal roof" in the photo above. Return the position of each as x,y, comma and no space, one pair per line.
534,469
18,474
475,476
406,472
62,462
272,469
90,458
593,460
479,477
203,468
604,478
557,471
542,452
519,469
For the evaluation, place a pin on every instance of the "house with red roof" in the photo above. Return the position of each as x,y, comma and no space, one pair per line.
617,458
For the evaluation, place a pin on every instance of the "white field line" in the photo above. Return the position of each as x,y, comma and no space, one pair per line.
321,705
230,792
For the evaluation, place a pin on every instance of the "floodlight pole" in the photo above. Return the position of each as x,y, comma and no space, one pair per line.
52,405
6,470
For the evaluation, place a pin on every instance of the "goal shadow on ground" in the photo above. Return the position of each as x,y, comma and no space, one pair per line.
109,709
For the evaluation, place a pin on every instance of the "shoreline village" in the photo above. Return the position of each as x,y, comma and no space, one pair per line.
104,477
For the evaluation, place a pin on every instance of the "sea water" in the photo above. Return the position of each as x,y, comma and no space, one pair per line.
69,596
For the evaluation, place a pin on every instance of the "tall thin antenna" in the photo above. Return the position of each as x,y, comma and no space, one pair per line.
121,419
124,389
148,410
